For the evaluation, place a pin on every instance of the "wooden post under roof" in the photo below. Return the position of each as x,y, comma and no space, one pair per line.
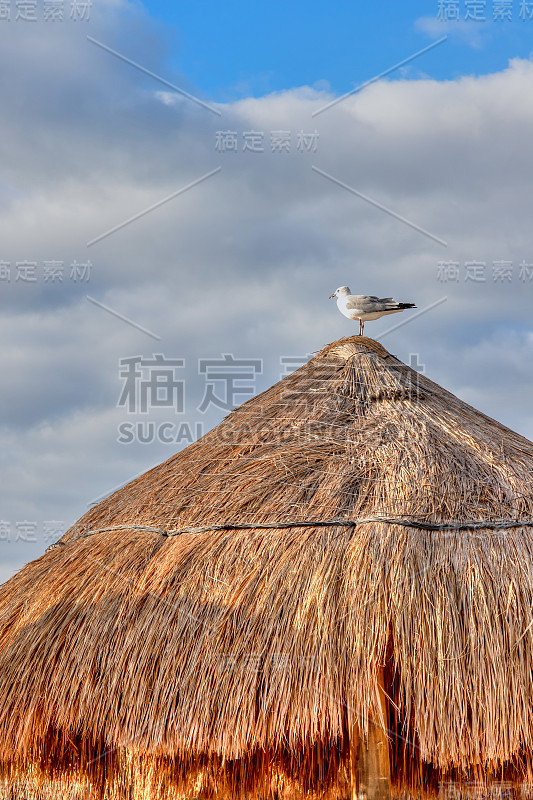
369,758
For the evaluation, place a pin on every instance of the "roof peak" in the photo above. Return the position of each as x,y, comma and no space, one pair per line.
353,345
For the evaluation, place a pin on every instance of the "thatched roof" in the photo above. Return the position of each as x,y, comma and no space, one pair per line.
133,657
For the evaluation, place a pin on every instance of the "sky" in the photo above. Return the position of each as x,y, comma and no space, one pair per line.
240,49
183,187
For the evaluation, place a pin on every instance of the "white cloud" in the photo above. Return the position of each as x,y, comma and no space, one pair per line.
474,33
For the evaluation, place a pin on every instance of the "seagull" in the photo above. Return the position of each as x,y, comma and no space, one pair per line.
363,307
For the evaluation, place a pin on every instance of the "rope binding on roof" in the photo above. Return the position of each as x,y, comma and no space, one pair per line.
467,525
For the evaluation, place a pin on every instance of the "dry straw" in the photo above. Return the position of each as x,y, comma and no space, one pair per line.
233,661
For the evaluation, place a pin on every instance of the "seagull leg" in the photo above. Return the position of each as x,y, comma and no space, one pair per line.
361,327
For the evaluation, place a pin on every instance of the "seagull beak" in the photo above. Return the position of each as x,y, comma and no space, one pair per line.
331,295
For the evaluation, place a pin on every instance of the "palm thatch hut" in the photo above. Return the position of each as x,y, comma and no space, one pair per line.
329,594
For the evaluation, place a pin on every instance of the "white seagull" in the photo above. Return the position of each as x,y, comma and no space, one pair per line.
363,307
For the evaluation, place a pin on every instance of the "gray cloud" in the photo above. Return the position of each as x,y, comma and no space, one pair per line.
244,262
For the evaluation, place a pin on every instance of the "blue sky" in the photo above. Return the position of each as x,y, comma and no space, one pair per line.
228,51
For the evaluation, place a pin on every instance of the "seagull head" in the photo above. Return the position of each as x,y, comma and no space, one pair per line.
340,291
